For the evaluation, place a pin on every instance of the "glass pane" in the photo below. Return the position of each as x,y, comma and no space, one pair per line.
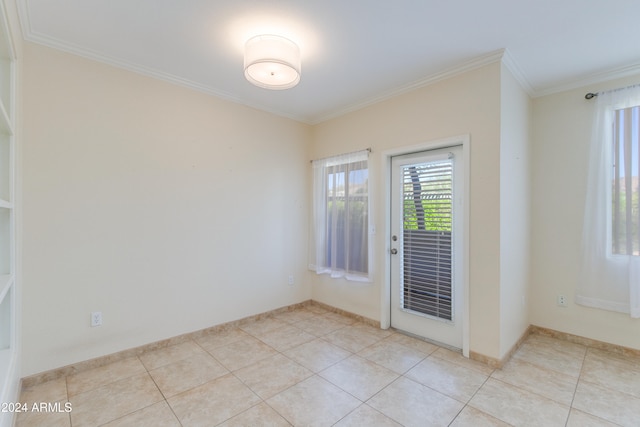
427,215
347,217
626,163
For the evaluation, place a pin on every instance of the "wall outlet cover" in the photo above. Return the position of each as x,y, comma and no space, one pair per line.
96,318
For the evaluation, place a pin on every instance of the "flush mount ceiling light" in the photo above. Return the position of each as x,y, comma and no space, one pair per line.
272,62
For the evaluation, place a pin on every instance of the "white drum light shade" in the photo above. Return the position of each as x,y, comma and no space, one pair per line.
272,62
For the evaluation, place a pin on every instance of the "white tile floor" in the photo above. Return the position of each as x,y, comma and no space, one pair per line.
310,367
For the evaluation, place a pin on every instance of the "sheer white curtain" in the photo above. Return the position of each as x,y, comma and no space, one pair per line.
608,280
341,212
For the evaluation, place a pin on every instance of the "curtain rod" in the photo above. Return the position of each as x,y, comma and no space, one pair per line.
592,95
343,154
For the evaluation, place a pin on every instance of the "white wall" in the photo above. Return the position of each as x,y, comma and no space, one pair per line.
166,209
561,135
465,104
515,195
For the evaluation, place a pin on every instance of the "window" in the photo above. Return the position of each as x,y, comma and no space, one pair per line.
610,271
427,225
341,216
625,215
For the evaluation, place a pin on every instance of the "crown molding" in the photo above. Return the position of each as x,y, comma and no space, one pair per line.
478,62
517,73
34,37
150,72
596,78
23,17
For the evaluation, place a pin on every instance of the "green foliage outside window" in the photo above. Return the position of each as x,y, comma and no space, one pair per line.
437,215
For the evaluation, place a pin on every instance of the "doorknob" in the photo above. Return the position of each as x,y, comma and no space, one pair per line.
394,251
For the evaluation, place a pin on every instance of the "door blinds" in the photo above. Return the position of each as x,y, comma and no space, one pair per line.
427,217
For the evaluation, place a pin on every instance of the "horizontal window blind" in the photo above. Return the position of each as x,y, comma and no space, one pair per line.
427,217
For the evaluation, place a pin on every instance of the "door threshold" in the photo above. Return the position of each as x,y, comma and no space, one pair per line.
430,341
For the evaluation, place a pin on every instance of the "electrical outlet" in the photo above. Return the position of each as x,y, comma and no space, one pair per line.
562,300
290,280
96,318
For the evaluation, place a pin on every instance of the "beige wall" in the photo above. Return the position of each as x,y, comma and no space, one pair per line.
465,104
166,209
561,134
515,195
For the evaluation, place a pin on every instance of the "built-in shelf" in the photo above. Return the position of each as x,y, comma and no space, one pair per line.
9,377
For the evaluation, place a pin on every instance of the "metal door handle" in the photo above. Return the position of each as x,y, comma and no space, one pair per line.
394,251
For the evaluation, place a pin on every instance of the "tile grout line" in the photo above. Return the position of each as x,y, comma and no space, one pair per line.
66,389
243,383
229,373
400,376
249,408
288,358
597,384
575,389
531,392
352,411
69,397
317,374
166,400
377,393
467,404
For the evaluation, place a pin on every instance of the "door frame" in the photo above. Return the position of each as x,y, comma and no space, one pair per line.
386,155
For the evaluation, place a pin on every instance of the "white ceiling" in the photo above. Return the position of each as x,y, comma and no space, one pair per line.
354,52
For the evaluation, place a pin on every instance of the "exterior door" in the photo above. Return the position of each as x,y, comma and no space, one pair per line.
426,244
